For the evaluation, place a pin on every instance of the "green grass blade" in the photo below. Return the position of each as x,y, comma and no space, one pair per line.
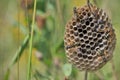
30,43
7,74
20,51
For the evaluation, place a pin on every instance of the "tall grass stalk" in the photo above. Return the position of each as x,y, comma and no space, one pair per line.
18,17
30,43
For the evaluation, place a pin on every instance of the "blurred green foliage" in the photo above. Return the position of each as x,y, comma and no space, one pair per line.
48,58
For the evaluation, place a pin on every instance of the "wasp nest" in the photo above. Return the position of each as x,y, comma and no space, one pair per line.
89,38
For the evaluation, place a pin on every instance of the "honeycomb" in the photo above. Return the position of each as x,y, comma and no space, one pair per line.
89,38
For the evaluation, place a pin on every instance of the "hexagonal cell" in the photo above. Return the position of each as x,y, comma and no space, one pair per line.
89,32
71,31
83,51
90,38
83,26
84,31
92,48
92,43
81,17
94,54
99,35
86,61
90,58
87,23
76,33
80,30
71,27
83,46
82,21
76,59
87,41
80,55
82,9
82,40
101,45
72,37
95,39
91,24
91,19
68,40
84,13
80,35
88,28
75,28
94,34
77,62
78,25
67,35
77,39
74,53
85,37
80,60
88,52
82,65
87,10
74,23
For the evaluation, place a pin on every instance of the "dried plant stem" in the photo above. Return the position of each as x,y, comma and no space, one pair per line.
99,75
30,43
86,75
88,3
113,70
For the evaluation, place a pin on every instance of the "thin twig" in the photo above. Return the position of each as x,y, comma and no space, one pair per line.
86,75
113,70
88,3
31,40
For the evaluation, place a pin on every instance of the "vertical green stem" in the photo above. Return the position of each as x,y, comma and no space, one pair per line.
30,43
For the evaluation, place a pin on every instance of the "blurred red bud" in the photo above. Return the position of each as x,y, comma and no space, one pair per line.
26,4
40,20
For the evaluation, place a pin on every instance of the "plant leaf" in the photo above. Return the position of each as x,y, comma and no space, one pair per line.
67,69
7,74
